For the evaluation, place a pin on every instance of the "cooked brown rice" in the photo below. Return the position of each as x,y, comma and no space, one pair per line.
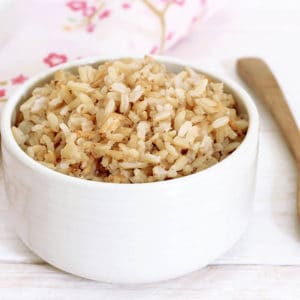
129,121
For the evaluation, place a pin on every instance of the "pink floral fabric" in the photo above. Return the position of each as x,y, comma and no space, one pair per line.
50,32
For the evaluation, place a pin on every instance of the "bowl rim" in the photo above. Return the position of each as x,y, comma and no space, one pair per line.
10,143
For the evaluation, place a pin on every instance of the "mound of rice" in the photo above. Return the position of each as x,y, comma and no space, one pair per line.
129,121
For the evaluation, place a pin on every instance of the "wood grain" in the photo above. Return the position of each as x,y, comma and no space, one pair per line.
29,282
258,76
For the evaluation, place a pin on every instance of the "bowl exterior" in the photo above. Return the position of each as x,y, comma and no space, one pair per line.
145,234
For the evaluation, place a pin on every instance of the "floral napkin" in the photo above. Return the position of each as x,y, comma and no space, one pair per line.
35,35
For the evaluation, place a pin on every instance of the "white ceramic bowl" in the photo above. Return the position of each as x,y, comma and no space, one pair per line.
130,233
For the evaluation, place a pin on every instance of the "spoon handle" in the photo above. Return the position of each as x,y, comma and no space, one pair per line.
260,79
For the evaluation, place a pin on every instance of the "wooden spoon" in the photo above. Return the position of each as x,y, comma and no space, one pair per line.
260,79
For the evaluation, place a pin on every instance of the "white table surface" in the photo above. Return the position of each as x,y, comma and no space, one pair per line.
265,263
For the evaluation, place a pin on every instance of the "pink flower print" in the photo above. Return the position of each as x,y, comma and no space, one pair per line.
54,59
2,93
203,2
126,5
19,79
154,50
169,36
195,19
90,28
89,11
76,5
179,2
105,14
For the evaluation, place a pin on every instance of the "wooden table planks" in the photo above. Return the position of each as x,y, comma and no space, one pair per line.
24,281
265,263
